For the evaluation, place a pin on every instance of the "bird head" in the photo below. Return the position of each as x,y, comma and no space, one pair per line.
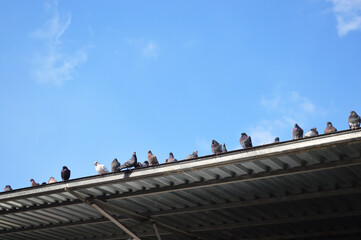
31,180
243,135
171,154
96,163
314,129
65,167
329,124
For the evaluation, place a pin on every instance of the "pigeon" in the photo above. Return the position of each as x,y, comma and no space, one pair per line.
33,183
7,188
216,147
143,164
330,128
354,120
245,141
65,173
297,132
101,169
193,155
152,159
224,149
277,140
132,162
51,180
170,158
311,133
115,165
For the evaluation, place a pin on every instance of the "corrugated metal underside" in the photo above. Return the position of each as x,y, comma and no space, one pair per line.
304,189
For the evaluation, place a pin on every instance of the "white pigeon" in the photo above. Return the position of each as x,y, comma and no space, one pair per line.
101,169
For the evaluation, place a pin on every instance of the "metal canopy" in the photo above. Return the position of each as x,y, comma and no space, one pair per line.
304,189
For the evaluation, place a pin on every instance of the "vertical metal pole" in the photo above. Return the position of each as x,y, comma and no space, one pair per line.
156,231
116,222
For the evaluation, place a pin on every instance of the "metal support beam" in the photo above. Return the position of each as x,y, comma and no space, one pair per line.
105,214
116,222
156,231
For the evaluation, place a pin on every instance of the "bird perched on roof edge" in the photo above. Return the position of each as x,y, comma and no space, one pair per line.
114,166
152,159
297,132
132,162
51,180
33,183
277,139
224,149
193,155
170,158
65,173
330,128
354,120
100,168
7,188
311,133
246,141
216,147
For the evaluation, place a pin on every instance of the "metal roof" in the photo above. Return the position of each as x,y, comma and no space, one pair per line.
303,189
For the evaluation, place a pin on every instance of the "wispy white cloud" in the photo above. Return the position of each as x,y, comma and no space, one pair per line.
288,107
348,15
53,64
149,49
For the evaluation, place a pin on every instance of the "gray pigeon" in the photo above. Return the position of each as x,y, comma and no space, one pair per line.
7,188
115,165
224,149
277,140
33,183
297,132
132,162
311,133
245,141
152,159
216,147
170,158
193,155
143,164
330,128
354,120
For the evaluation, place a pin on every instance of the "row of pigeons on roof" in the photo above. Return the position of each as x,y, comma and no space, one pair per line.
245,140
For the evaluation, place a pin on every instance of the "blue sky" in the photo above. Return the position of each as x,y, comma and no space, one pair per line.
85,81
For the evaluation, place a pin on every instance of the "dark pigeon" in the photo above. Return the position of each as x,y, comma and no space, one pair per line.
132,162
330,128
224,149
7,188
354,120
277,140
152,159
65,173
245,141
33,183
297,132
170,158
311,133
216,147
115,165
193,155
